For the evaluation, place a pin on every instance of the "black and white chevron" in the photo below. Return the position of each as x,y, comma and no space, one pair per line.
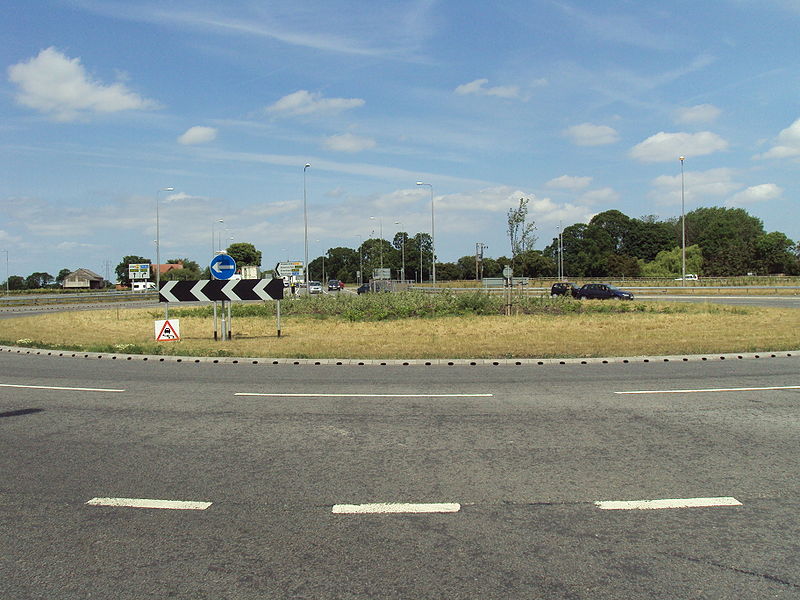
217,289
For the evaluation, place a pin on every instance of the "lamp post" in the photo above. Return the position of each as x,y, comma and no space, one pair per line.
380,220
7,275
360,260
305,226
158,238
433,235
403,278
213,245
683,229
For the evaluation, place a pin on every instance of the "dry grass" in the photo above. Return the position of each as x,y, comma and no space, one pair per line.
716,329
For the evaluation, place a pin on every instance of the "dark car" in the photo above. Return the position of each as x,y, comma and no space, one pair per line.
603,291
334,285
562,288
363,289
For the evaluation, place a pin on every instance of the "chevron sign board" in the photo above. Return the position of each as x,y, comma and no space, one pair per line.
215,289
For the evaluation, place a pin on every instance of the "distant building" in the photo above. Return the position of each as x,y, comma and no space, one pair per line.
84,278
165,268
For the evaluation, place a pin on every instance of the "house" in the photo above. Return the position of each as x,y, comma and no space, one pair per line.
84,278
164,268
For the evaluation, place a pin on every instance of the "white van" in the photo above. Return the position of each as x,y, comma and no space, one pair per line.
143,286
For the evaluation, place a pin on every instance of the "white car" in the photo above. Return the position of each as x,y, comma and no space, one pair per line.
314,287
689,277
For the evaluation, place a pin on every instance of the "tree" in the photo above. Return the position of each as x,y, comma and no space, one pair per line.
15,282
617,225
244,254
121,269
38,280
773,254
669,263
520,233
189,272
727,237
62,275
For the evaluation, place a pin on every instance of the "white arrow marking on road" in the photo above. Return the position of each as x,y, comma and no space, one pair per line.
166,291
197,290
669,503
146,503
394,508
55,387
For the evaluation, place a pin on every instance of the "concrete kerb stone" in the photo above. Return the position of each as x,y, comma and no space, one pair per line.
399,362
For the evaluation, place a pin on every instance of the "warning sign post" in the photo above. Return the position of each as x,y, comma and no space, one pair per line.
168,330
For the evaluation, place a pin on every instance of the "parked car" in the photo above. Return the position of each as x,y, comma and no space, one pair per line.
314,287
363,288
603,291
689,277
562,288
333,285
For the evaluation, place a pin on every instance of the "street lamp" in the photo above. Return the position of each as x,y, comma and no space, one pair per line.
433,235
305,225
683,229
403,278
380,220
7,275
360,259
158,239
213,245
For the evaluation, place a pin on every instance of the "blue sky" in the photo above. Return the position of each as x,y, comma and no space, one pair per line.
580,106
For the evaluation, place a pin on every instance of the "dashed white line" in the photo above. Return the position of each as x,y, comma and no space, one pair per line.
148,503
56,387
279,395
697,391
666,503
394,508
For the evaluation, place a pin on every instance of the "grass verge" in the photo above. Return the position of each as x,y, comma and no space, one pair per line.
388,326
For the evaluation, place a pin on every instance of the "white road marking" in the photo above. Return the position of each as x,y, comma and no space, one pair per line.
146,503
394,508
669,503
277,395
697,391
55,387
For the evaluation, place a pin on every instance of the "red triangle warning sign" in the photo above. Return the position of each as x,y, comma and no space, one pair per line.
167,331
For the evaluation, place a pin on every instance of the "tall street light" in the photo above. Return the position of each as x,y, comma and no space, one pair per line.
403,278
360,259
380,220
215,243
305,226
158,238
683,229
7,275
433,235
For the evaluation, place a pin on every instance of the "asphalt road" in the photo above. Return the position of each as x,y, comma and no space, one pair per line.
517,455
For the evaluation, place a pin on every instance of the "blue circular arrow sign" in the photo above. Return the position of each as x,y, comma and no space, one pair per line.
222,266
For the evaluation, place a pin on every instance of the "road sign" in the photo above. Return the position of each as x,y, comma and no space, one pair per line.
293,268
168,331
139,271
214,290
508,272
222,266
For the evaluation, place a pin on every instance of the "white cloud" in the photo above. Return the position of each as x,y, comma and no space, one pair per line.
605,195
699,186
665,147
59,86
348,142
788,143
588,134
303,102
701,113
478,87
568,182
198,135
755,194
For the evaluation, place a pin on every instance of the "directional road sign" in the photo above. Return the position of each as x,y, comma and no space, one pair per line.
222,266
214,290
290,268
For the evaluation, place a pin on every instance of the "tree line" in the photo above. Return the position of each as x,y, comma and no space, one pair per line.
720,242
